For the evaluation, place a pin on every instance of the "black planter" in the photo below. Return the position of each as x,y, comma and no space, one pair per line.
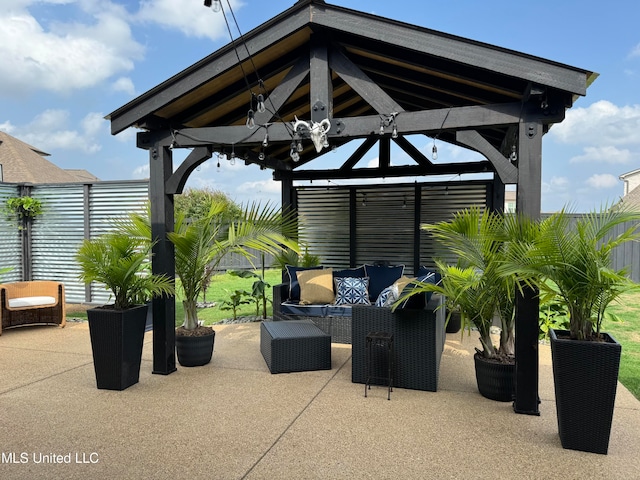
495,380
585,377
116,341
454,323
195,351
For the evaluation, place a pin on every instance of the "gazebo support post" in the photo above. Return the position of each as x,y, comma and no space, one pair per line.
163,260
528,202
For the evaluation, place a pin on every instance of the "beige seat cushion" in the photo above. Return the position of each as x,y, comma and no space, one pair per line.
316,286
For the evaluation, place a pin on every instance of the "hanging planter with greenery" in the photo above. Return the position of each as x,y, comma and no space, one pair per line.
22,208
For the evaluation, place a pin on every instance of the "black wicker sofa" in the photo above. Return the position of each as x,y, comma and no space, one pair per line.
418,329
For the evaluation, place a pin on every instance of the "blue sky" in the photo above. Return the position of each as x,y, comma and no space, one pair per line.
65,64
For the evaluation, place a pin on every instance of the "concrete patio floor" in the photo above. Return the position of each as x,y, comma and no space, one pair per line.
232,419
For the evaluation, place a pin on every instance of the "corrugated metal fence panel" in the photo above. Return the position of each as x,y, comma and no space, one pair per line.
324,215
235,261
439,203
111,202
625,256
108,204
56,236
10,239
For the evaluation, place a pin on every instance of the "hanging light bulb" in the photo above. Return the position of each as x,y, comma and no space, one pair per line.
215,5
251,122
394,132
295,156
261,155
261,107
232,160
265,141
434,152
381,128
514,154
218,165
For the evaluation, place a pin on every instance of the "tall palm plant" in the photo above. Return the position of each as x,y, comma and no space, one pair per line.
573,260
479,239
203,242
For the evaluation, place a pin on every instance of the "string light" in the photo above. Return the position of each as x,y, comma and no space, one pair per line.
295,156
215,5
261,107
514,154
251,121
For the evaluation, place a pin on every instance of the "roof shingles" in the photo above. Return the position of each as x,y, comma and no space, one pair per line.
22,163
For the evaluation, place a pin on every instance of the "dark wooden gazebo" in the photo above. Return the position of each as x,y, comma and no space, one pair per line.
351,76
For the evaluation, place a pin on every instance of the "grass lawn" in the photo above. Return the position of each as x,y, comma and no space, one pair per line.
627,332
220,289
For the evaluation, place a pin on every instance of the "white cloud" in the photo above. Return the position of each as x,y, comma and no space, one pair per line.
560,182
50,131
7,127
635,52
124,84
602,123
605,154
602,181
64,56
141,171
189,18
555,184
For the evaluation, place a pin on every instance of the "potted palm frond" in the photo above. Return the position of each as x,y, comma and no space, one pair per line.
201,243
479,239
121,263
572,259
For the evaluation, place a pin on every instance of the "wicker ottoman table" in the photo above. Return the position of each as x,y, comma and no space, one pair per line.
294,346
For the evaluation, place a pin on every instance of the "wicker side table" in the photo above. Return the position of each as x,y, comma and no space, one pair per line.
294,346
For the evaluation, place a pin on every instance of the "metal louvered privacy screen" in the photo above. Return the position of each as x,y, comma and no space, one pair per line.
10,239
354,225
70,213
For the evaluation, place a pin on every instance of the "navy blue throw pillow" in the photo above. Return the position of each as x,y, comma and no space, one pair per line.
381,277
350,272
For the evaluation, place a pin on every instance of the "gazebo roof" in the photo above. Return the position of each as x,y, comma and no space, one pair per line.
351,65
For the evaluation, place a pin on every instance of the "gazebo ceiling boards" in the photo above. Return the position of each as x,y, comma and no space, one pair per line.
376,81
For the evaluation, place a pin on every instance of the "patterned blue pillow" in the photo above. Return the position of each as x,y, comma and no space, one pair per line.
352,291
387,296
417,302
384,296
